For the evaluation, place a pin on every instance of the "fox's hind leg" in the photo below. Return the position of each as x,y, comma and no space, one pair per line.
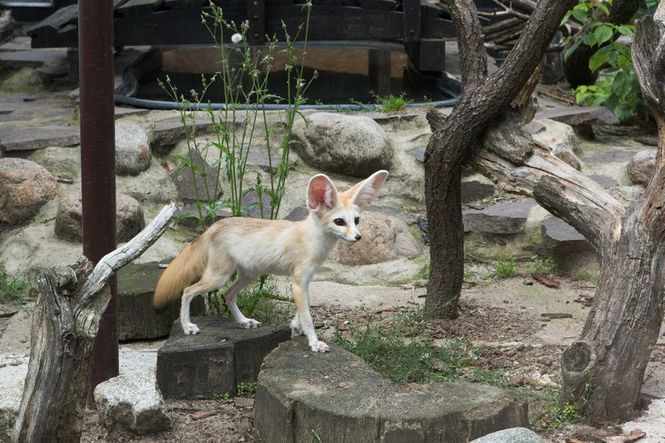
214,277
230,297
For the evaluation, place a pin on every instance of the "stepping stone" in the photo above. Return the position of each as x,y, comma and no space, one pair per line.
216,360
561,238
137,319
13,370
30,139
580,115
476,187
336,396
504,218
641,167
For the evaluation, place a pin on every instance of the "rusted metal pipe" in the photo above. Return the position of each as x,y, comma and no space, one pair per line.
98,164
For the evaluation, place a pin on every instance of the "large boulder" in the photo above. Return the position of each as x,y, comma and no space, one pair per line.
345,144
384,238
13,370
24,188
131,401
336,396
132,148
69,219
641,167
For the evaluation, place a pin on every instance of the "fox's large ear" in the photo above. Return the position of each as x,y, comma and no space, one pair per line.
364,193
321,192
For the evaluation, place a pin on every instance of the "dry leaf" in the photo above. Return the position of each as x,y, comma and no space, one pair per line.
547,281
203,414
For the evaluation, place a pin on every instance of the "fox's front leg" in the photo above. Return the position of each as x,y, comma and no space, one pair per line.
305,319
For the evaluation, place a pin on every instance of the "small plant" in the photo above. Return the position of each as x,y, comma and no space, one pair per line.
243,78
543,267
617,87
13,290
392,103
246,389
505,269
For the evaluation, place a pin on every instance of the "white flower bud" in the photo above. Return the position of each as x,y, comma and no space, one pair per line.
236,38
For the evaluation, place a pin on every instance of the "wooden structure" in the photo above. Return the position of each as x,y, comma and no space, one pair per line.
420,25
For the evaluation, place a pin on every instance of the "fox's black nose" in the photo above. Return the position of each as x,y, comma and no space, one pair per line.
358,237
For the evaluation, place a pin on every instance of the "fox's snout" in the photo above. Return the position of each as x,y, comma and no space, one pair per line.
358,237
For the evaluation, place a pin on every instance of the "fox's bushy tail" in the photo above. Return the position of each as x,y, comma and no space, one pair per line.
184,270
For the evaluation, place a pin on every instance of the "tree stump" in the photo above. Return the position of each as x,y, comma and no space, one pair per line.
65,322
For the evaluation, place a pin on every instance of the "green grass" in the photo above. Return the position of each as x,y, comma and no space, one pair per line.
258,301
13,290
403,350
392,103
538,265
246,389
505,269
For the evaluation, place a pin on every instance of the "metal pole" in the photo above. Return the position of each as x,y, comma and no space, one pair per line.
98,164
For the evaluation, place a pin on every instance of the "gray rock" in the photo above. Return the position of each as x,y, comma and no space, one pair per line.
59,160
346,144
561,140
417,153
628,194
214,361
572,253
476,187
30,139
338,397
580,115
24,188
384,238
132,148
198,181
190,216
641,167
297,214
512,435
132,401
501,218
69,219
168,132
609,155
252,207
137,319
604,181
13,370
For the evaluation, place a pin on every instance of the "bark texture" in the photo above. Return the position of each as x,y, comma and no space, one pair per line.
484,100
603,371
64,325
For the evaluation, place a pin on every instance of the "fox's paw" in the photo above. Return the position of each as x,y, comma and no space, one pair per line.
190,329
250,323
295,328
319,346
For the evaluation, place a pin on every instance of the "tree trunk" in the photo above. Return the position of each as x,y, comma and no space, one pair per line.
66,319
484,99
603,371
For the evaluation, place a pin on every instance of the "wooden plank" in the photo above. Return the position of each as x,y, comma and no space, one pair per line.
379,71
136,7
432,55
383,5
256,16
411,12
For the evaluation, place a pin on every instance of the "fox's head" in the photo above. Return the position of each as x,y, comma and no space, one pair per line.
339,213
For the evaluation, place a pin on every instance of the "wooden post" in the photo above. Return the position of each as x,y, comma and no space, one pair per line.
98,164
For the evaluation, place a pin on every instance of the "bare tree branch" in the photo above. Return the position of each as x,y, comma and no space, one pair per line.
118,258
472,54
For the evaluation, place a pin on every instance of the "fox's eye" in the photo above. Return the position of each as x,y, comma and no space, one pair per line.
339,222
356,220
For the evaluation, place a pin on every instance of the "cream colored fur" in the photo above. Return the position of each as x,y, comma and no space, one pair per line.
253,247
